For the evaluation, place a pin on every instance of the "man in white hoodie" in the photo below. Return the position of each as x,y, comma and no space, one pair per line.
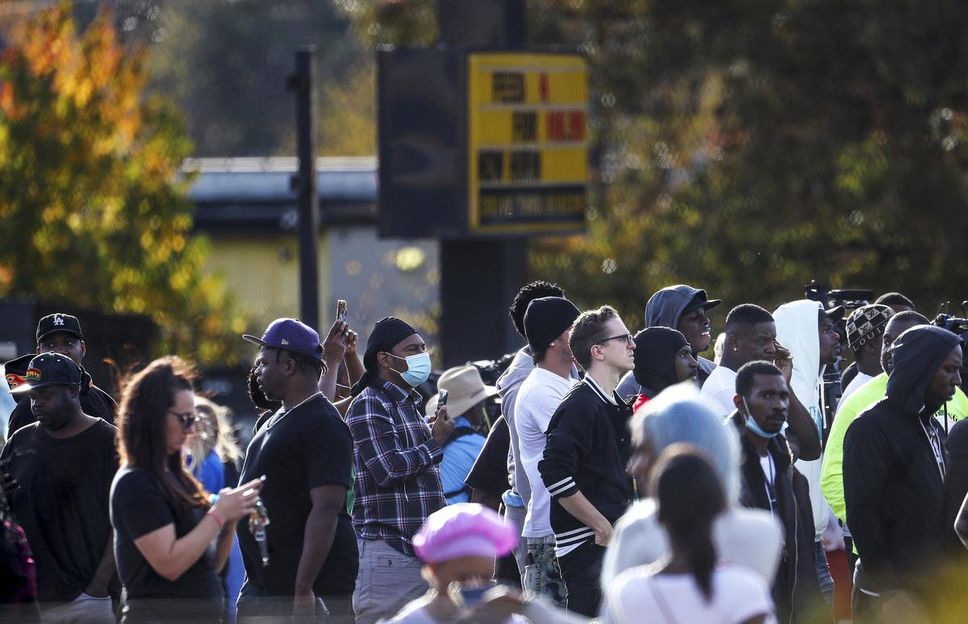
808,331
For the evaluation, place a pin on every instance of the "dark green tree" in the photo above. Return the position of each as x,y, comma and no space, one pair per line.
93,209
750,147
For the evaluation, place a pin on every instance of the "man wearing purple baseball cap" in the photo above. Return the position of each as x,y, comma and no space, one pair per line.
305,452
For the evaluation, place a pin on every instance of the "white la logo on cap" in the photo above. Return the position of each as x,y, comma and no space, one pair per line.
284,341
58,320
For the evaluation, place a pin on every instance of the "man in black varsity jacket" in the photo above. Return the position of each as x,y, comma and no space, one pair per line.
585,458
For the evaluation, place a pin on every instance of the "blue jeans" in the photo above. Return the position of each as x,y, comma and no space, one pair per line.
823,575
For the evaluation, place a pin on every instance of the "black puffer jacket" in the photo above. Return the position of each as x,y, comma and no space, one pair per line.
796,591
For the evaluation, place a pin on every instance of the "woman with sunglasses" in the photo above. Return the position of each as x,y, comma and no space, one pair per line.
165,526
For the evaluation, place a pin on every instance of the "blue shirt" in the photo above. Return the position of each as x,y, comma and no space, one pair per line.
459,458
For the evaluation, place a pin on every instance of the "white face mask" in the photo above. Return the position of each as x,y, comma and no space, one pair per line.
752,425
418,369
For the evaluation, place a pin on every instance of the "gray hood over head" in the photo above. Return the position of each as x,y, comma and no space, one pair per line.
666,306
918,354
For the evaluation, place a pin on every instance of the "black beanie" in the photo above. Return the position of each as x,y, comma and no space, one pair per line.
546,319
655,352
387,333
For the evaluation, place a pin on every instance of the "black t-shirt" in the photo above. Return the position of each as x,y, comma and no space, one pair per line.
94,402
490,472
62,503
307,447
138,507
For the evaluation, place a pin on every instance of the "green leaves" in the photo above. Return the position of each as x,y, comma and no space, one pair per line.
92,208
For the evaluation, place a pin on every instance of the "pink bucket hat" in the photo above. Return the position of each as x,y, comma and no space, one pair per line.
464,530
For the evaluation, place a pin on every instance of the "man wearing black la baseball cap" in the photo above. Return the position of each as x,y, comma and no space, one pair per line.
63,466
305,453
61,333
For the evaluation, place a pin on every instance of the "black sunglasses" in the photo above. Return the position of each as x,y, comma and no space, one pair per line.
629,341
187,419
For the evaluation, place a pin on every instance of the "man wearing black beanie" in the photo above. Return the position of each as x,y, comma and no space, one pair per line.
547,325
395,454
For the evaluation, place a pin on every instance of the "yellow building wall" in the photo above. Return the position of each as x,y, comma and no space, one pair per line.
262,273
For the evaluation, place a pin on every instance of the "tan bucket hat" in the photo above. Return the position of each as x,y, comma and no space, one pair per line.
465,389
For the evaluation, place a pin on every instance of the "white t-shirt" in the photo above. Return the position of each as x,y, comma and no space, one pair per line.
751,538
738,594
719,389
538,398
859,380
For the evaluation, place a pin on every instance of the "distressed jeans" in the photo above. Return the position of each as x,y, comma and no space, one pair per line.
542,576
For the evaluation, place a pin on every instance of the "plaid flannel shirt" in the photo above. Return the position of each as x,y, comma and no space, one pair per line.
397,479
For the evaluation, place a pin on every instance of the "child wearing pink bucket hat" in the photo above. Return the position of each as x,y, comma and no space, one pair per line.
459,546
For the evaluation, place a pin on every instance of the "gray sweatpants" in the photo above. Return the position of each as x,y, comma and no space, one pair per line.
387,580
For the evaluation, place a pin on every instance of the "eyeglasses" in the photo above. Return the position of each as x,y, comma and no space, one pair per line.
629,341
187,419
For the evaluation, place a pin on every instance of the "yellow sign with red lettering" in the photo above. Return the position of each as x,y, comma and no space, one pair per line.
527,143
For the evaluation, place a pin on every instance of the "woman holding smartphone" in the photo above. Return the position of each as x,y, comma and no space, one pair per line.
170,541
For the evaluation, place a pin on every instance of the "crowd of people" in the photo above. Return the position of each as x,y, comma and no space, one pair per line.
604,475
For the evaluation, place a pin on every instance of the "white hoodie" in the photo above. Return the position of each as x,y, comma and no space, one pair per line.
797,329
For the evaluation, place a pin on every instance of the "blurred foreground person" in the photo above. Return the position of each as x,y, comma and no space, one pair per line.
165,528
459,546
63,465
894,472
689,585
748,537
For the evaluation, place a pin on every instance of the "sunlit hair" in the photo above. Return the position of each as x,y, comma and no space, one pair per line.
147,398
213,431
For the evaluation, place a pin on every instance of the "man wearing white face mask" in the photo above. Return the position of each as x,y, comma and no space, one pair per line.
396,454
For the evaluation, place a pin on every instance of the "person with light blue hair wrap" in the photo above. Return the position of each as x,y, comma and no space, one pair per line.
747,537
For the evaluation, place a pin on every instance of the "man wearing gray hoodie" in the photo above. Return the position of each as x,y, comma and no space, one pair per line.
894,473
683,308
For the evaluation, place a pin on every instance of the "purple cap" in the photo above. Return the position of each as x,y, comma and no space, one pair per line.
464,530
291,335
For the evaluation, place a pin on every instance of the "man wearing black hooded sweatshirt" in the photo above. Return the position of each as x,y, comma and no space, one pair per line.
894,471
663,357
683,308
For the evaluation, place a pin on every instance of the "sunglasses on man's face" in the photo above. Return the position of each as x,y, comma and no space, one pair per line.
187,419
629,341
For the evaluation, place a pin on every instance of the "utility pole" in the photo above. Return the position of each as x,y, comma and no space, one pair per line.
304,183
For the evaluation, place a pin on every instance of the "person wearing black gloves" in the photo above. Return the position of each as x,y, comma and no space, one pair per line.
61,333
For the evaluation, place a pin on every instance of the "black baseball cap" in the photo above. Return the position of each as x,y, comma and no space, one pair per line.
58,322
50,369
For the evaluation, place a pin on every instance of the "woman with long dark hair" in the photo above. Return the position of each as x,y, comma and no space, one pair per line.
688,585
165,524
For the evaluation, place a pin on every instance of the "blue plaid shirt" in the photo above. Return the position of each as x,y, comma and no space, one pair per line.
397,479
